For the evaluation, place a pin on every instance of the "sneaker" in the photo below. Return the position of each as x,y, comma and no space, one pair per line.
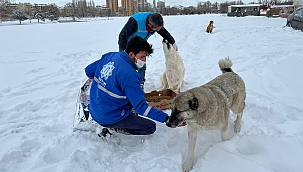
104,133
108,136
120,130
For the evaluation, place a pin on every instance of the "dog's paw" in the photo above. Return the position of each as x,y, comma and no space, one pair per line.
237,128
186,167
225,135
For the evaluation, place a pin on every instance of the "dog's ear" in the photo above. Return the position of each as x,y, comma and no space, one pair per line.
193,103
168,45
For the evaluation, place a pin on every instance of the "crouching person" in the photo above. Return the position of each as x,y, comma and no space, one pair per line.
116,97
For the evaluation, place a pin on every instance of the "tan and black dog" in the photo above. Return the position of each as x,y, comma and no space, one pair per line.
208,107
210,27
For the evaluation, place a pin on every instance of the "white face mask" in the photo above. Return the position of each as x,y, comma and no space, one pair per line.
140,63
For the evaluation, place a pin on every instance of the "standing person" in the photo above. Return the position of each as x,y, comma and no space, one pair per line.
116,90
144,24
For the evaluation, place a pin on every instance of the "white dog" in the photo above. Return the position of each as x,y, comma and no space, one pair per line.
173,76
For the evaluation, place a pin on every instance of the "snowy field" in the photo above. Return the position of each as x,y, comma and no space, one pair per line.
41,67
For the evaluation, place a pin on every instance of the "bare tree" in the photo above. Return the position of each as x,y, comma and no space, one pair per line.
29,12
40,16
74,10
19,15
4,11
224,7
52,12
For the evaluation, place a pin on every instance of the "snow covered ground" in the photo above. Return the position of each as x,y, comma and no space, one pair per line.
41,67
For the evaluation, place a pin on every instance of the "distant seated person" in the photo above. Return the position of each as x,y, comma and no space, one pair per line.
144,24
116,97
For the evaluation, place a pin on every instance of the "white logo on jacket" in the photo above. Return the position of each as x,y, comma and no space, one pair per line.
106,72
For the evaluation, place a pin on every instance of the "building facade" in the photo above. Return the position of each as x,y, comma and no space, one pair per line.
112,5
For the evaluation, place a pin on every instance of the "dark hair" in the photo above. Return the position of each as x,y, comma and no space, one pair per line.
157,19
137,44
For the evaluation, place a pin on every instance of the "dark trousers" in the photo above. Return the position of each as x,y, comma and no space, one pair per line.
135,125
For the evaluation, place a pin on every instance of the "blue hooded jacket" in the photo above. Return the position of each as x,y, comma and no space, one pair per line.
136,26
115,90
141,21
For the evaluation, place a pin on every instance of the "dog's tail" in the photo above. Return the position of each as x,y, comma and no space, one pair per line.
225,65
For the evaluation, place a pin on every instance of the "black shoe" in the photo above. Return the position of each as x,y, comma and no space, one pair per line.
86,112
121,130
105,132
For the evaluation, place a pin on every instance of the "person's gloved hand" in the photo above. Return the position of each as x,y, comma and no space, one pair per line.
175,46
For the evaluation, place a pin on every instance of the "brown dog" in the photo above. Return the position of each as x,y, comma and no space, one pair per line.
210,27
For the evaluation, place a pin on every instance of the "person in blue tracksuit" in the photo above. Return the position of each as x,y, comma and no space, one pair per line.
144,24
116,91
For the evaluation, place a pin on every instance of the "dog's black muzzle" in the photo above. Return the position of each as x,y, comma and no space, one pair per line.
175,119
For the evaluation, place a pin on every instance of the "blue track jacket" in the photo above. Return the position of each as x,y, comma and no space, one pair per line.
115,90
